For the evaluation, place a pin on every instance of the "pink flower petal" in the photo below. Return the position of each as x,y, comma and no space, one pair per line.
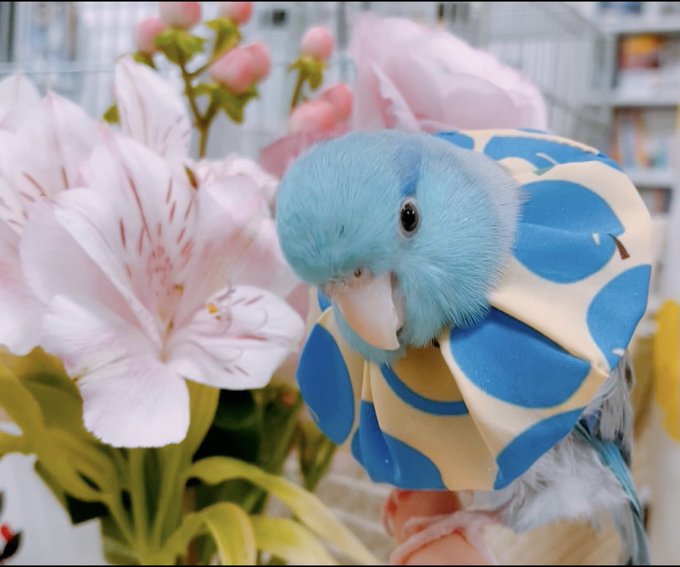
151,111
43,157
277,156
239,12
219,171
317,42
130,399
238,341
340,97
441,78
183,15
312,116
235,70
260,59
146,33
379,104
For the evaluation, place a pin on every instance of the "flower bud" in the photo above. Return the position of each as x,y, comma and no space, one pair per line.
260,60
146,32
183,15
340,97
317,43
238,12
234,70
312,116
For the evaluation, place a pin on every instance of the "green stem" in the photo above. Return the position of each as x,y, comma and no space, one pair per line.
204,131
278,458
189,92
120,516
138,497
297,92
320,467
170,492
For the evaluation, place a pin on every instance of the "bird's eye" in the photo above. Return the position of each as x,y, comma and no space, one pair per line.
409,217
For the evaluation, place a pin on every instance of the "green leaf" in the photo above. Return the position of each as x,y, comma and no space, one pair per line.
203,89
19,405
290,541
203,405
179,46
233,533
236,410
227,34
229,527
115,551
144,58
176,545
307,507
315,79
12,444
111,115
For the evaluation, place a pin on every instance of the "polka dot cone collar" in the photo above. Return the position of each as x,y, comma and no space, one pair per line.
479,410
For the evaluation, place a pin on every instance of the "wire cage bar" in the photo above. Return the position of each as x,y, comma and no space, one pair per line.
71,47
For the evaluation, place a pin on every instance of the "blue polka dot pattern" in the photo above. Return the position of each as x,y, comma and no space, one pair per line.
527,448
457,138
324,302
326,386
515,363
578,284
415,400
566,230
615,311
387,459
542,153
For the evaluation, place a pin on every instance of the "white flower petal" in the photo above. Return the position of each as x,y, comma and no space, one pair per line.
130,399
20,310
235,244
211,171
151,111
137,222
16,91
238,345
54,263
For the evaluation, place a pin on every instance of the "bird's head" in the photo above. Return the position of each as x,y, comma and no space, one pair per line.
406,234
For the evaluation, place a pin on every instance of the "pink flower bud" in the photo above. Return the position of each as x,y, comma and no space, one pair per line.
317,43
238,12
234,70
183,15
260,60
315,115
146,32
340,98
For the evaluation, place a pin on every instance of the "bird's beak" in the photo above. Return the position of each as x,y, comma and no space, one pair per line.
372,308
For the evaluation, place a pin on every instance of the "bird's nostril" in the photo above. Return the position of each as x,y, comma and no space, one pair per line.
358,272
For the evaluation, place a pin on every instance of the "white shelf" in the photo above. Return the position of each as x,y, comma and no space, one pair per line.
658,101
641,26
651,177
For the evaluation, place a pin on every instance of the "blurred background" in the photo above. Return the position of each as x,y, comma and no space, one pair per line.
609,72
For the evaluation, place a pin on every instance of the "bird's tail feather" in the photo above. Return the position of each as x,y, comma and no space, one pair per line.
632,533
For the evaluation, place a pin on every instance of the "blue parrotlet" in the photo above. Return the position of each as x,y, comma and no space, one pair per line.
409,235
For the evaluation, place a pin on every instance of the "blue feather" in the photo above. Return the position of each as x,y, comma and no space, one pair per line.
611,455
338,210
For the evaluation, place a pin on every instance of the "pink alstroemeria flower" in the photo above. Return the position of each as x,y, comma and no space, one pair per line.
149,282
151,111
412,77
16,91
40,156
